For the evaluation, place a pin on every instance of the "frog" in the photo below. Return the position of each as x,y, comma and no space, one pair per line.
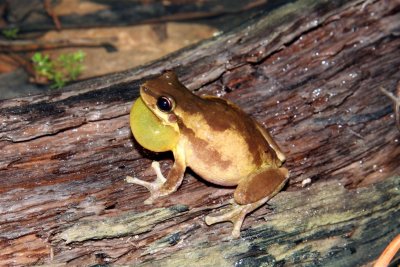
213,137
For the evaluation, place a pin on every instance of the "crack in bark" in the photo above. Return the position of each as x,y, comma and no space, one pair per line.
62,130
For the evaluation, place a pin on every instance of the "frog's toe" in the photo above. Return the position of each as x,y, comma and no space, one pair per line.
160,177
154,187
134,180
236,215
150,200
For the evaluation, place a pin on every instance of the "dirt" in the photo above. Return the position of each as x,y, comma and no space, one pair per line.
136,45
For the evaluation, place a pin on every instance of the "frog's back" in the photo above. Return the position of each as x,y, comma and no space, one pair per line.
224,144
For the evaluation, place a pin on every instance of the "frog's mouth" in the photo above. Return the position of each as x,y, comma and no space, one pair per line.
148,97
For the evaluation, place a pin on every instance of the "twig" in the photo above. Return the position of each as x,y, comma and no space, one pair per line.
50,11
34,45
396,101
389,252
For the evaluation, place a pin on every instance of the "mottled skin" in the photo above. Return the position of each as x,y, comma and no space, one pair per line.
219,142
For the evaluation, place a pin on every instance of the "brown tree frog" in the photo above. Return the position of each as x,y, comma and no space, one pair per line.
213,137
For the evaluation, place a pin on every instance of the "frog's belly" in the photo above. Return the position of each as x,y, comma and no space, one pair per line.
216,175
225,169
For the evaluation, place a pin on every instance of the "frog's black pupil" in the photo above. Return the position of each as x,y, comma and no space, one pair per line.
164,104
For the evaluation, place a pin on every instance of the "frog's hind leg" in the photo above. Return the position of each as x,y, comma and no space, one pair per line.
251,194
271,142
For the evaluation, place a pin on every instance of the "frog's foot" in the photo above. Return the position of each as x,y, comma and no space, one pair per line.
236,215
154,187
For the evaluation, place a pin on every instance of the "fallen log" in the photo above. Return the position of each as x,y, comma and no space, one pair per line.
44,15
309,71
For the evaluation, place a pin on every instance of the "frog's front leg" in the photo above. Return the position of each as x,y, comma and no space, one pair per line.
250,194
163,186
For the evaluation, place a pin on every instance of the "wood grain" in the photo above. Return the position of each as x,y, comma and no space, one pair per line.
310,72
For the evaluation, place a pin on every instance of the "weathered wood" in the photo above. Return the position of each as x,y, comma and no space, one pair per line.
33,15
309,71
319,227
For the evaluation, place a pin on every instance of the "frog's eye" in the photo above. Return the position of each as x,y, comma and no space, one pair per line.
165,104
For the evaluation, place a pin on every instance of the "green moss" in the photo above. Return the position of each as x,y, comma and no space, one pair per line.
67,67
10,33
131,223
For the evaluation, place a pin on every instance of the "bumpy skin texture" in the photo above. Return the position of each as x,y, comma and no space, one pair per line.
218,141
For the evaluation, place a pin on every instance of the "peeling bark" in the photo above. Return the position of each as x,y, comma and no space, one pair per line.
309,71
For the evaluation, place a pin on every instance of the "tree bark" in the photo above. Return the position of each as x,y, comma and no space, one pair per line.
39,15
309,71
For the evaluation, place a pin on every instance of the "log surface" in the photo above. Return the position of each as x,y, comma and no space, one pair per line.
32,15
310,72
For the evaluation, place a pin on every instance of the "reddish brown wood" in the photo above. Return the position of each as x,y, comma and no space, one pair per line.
310,73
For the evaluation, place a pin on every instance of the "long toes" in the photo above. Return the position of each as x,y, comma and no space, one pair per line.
236,216
236,232
149,201
237,225
160,177
134,180
228,216
155,188
130,179
211,220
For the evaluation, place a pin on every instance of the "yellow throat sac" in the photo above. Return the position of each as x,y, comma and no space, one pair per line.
149,131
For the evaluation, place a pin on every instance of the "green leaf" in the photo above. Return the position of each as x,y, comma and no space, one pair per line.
10,33
65,68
